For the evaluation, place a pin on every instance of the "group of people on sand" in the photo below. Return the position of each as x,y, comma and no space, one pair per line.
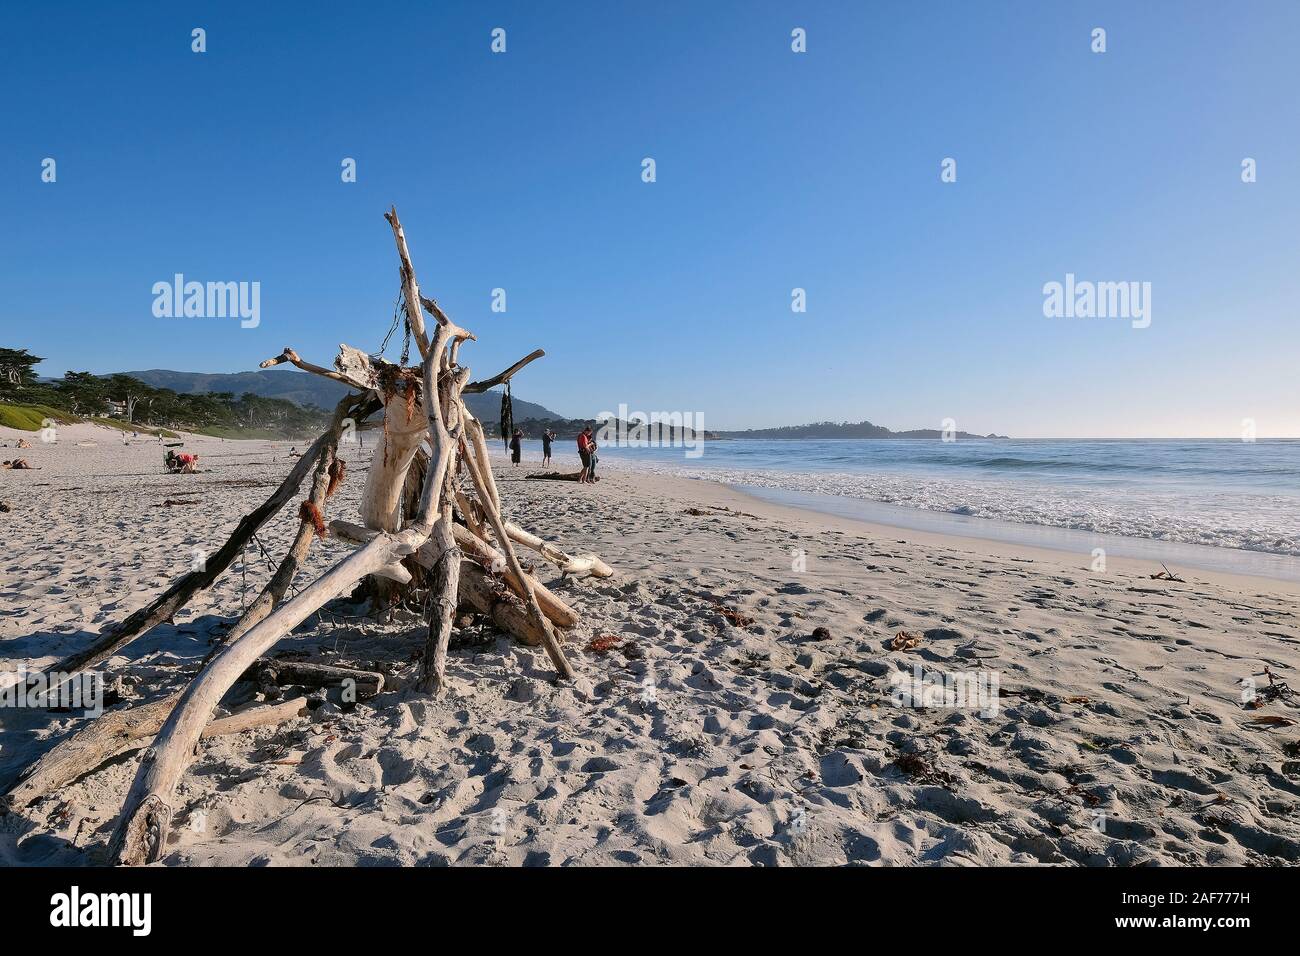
586,451
182,464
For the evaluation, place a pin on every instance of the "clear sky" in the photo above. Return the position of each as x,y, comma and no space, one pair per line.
775,170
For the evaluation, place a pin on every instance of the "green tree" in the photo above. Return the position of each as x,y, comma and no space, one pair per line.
83,392
127,390
17,372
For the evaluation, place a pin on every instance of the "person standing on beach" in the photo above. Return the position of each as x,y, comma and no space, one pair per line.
547,437
584,452
515,448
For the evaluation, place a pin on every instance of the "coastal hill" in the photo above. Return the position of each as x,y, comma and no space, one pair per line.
303,388
861,429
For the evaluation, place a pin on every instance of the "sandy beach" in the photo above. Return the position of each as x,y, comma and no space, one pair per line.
746,716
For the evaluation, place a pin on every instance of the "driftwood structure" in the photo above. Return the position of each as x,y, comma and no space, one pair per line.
431,529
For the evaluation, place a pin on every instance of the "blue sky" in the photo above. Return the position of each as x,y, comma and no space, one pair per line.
775,170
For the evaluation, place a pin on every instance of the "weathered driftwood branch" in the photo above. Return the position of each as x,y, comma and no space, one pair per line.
275,589
313,674
100,741
478,439
485,594
290,356
472,513
436,311
444,433
556,610
410,287
569,565
549,640
406,426
475,387
264,715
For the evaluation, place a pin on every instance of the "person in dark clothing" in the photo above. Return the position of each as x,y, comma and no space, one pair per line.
547,437
584,452
515,448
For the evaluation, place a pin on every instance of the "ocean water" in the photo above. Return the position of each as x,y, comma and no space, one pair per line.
1222,494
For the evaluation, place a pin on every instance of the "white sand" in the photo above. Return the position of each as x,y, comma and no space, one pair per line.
705,743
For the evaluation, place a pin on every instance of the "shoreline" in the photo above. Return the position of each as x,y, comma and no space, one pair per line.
1212,563
983,546
1152,525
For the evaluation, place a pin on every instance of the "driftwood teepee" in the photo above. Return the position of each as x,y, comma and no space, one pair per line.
431,519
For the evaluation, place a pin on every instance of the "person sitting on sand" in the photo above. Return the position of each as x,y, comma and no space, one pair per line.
19,463
584,453
181,464
547,437
515,448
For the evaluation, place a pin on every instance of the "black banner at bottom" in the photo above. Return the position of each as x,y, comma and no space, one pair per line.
360,906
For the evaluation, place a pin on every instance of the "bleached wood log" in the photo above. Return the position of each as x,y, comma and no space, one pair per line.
569,565
104,738
350,532
315,674
556,610
446,556
473,514
442,606
381,498
486,595
478,438
120,731
254,717
355,365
